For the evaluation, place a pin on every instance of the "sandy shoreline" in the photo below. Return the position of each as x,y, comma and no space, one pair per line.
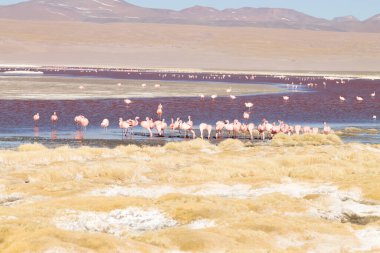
374,75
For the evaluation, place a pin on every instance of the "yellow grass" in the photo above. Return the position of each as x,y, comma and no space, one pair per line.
64,176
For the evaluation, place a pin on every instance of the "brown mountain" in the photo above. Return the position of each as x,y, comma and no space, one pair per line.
121,11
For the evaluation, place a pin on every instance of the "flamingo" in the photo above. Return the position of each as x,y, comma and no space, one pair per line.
373,94
214,96
326,128
189,121
297,129
229,127
36,118
105,123
202,96
251,127
127,101
157,85
229,90
84,122
261,129
133,123
143,85
147,125
342,98
248,105
187,127
374,117
81,87
232,97
244,129
54,119
119,84
359,98
124,126
160,126
219,126
175,126
159,110
285,98
203,127
237,126
306,130
315,130
246,115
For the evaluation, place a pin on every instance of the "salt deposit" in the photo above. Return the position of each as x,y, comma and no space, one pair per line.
116,222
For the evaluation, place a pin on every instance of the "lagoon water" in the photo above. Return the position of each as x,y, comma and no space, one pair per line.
102,98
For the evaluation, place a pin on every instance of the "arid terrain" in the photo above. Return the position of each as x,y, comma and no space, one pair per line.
314,194
185,46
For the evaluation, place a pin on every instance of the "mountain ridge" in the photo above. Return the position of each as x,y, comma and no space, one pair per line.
103,11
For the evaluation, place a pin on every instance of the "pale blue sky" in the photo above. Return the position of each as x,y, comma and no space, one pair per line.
362,9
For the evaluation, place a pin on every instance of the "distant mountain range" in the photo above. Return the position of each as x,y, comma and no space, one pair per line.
103,11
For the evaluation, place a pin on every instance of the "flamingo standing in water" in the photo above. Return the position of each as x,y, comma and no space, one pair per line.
105,123
159,110
326,128
248,105
285,98
133,123
229,127
203,127
237,126
124,126
127,101
342,98
160,126
297,129
214,96
84,122
232,97
246,115
36,118
187,128
359,98
54,119
219,126
251,128
146,124
373,94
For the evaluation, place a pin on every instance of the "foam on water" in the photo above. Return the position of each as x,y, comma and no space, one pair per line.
116,222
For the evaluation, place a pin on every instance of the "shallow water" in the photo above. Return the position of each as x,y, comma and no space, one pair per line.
307,106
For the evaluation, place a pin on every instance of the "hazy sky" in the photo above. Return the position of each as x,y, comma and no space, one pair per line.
362,9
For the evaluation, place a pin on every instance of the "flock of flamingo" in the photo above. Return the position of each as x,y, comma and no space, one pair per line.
234,129
225,128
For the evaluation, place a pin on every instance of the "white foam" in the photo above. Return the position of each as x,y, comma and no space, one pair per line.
116,222
201,224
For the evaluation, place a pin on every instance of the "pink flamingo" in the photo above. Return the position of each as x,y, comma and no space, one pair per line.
297,129
159,110
105,123
146,125
246,115
133,123
326,128
229,127
84,123
54,118
315,130
124,126
203,127
175,125
160,126
237,126
251,128
36,118
306,130
187,128
219,126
